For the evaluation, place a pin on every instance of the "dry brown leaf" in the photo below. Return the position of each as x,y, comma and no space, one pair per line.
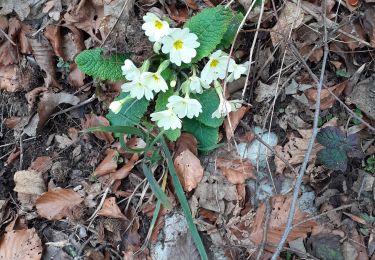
41,164
326,99
94,121
52,33
22,244
13,156
108,165
236,171
48,103
24,44
352,28
111,210
369,23
44,56
189,169
291,17
29,182
186,142
136,143
57,203
124,171
76,77
280,206
192,4
12,122
294,150
235,118
8,52
180,15
9,79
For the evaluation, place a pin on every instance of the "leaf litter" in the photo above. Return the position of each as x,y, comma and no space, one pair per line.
66,177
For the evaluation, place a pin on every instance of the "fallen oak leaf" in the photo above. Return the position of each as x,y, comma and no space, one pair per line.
57,203
110,209
20,244
236,171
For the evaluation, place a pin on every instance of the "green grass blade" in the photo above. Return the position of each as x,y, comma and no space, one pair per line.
159,193
184,203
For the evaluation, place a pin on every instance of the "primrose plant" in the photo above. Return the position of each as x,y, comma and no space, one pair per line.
186,87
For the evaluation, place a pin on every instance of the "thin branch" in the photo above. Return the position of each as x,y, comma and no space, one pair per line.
297,186
8,38
265,229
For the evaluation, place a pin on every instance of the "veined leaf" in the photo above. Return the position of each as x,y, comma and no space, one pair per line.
231,31
131,112
333,158
93,64
207,137
331,137
210,102
210,26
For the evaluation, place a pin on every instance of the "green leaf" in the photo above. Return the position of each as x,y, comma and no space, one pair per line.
231,31
331,137
210,26
161,103
333,158
93,64
159,193
131,112
207,137
210,102
183,202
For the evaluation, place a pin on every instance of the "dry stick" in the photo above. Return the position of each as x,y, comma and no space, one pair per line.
8,38
270,148
113,27
322,214
265,229
297,186
296,52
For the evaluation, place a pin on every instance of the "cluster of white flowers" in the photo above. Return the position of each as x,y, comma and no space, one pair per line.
180,44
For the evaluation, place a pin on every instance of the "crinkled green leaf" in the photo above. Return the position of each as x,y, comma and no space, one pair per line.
331,137
210,26
231,31
207,137
333,158
210,102
131,112
93,64
161,103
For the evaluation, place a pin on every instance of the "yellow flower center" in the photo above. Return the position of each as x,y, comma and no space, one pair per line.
214,63
158,24
178,44
155,77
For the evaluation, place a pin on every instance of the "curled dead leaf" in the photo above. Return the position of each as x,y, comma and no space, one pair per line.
236,171
12,122
29,182
95,121
21,244
13,155
8,52
42,164
110,209
52,33
108,165
76,77
189,169
326,99
124,171
57,203
9,79
186,142
280,206
235,117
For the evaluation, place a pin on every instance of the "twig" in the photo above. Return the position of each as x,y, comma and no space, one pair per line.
25,140
21,152
87,101
265,229
243,124
322,214
296,52
93,216
297,186
8,38
113,27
